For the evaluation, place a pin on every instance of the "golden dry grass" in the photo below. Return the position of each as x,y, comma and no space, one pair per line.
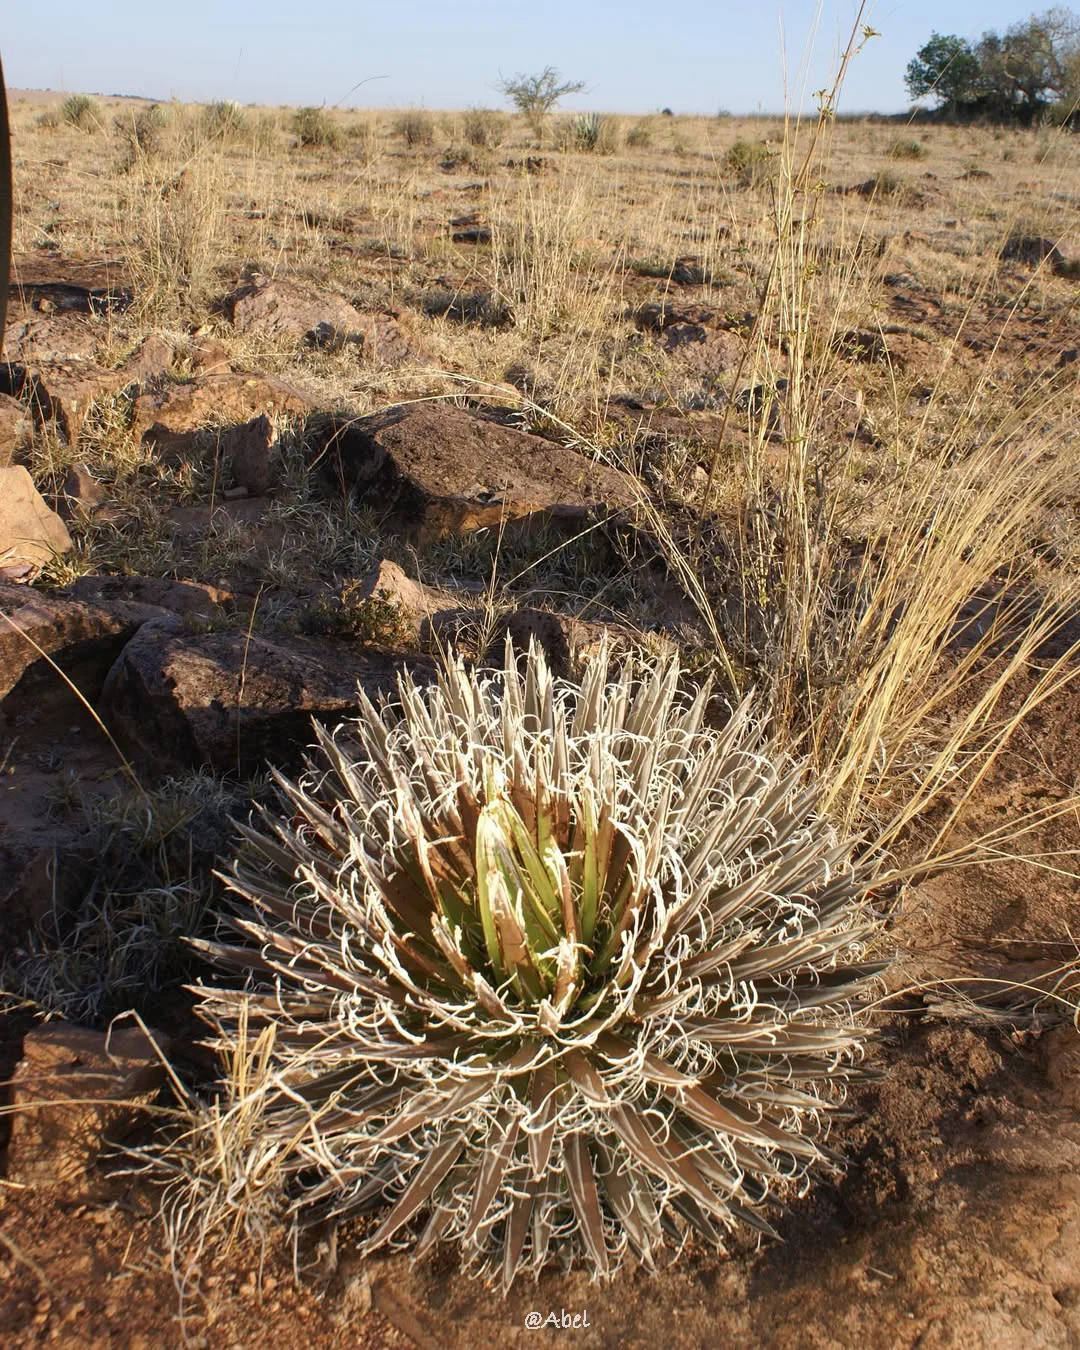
830,554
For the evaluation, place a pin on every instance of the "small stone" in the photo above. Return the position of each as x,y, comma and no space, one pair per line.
82,494
91,1082
30,534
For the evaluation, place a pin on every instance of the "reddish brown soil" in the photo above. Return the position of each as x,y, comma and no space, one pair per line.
957,1224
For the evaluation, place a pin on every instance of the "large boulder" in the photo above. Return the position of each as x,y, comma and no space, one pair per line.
76,1094
43,630
442,470
290,310
30,534
233,699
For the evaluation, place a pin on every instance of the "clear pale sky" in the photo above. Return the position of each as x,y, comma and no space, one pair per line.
635,55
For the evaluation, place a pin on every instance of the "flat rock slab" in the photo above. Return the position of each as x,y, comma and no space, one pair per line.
31,338
149,596
443,470
646,424
80,636
30,534
234,700
657,315
79,285
300,313
701,350
58,306
76,1092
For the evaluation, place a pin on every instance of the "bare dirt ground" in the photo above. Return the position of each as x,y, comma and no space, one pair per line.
518,281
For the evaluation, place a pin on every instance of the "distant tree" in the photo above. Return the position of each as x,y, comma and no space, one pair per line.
945,69
1018,75
536,95
1031,63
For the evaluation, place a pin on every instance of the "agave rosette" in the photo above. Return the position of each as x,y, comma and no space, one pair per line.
552,968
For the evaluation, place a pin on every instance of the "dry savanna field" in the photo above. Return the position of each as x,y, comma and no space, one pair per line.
295,400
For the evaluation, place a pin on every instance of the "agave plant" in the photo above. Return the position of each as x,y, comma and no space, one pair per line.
550,968
588,131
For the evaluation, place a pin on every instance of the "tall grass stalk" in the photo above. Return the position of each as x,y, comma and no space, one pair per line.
901,655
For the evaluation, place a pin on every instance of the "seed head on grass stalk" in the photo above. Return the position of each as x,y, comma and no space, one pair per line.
552,969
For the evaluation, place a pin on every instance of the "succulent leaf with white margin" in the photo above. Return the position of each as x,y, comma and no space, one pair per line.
559,967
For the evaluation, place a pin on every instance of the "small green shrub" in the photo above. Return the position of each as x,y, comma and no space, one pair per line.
363,137
349,614
225,119
141,131
886,183
591,133
906,149
315,129
262,131
81,111
750,161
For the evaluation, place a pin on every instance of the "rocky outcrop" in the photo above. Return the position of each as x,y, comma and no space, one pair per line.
290,310
440,470
232,699
41,630
235,409
82,629
60,391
